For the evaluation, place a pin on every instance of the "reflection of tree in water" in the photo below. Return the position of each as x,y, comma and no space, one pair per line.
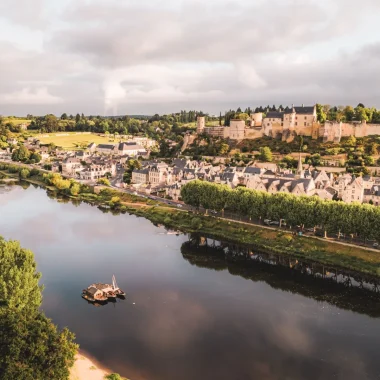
24,184
348,291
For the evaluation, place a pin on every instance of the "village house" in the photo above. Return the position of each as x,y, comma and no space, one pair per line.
131,149
98,170
372,195
140,176
107,149
71,166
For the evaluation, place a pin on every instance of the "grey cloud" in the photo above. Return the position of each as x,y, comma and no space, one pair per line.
159,56
24,12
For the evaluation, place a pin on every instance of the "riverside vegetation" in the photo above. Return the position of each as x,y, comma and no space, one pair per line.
31,346
309,211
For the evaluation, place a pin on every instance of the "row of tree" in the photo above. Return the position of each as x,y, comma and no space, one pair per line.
357,219
348,113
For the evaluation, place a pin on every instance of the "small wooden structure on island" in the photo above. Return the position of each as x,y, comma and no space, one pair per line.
100,292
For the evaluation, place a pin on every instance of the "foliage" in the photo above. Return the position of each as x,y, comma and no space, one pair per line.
131,166
113,376
36,157
104,181
321,115
21,154
31,347
196,223
75,189
332,216
24,173
266,154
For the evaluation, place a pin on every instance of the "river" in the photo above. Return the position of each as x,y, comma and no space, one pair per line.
189,314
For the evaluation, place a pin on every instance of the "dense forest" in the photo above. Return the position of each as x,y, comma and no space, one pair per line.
331,216
31,346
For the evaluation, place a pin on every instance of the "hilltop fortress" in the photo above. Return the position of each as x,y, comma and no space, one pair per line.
287,124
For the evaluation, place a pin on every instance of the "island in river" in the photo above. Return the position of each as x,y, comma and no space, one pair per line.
195,307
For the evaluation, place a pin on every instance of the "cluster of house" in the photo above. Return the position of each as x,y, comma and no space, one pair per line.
88,167
287,124
159,176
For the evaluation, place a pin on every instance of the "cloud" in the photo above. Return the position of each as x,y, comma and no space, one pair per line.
162,56
27,95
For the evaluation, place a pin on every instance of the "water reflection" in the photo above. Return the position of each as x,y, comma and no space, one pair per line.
344,289
213,312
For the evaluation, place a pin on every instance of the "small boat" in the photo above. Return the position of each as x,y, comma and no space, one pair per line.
120,293
100,292
92,294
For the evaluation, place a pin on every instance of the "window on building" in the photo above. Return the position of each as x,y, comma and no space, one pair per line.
296,123
304,124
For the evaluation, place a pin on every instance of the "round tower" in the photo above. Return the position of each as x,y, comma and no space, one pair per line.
201,122
257,119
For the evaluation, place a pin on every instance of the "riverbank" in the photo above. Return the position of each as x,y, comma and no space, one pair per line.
266,240
85,369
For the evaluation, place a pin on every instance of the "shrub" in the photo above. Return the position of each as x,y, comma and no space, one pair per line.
196,223
24,173
104,181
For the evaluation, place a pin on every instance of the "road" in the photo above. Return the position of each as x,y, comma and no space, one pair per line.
222,215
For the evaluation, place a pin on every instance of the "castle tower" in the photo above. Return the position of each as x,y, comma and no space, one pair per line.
257,119
300,171
201,122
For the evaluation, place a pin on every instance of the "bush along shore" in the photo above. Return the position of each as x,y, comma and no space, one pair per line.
262,239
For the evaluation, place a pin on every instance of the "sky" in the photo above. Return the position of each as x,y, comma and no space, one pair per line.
116,57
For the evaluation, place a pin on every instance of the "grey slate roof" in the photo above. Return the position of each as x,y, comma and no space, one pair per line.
105,146
252,170
304,110
275,115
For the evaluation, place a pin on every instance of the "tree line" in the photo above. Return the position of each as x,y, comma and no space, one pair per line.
348,113
360,220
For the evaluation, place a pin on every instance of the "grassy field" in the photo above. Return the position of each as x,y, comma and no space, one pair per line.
16,121
74,141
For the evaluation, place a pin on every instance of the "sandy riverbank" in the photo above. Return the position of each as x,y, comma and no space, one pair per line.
86,369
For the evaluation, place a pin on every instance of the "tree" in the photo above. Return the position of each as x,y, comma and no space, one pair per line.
321,114
36,157
24,173
75,189
348,113
21,154
64,116
77,118
265,154
351,141
31,347
243,116
104,181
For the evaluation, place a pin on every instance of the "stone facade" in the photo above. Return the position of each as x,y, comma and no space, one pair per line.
201,123
237,130
292,122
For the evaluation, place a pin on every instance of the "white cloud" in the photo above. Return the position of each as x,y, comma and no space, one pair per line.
163,55
30,96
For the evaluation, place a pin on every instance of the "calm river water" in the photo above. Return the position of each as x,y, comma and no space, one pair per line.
186,316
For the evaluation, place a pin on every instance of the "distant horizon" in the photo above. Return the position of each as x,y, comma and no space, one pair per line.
215,114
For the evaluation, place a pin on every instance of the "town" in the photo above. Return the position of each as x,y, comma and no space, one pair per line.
126,160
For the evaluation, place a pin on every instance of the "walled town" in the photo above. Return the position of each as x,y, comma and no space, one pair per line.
159,163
